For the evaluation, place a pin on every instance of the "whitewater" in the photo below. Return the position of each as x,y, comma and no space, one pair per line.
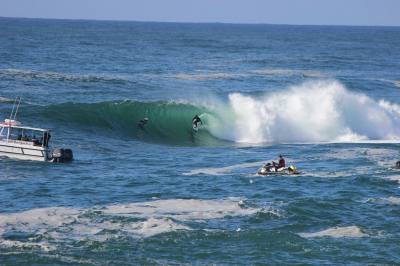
319,111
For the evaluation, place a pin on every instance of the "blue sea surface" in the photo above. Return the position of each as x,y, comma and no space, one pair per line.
325,97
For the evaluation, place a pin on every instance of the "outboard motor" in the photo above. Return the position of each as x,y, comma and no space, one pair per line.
62,155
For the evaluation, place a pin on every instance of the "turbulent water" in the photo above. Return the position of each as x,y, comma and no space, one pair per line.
327,98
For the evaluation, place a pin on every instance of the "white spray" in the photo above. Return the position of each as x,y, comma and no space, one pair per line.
315,111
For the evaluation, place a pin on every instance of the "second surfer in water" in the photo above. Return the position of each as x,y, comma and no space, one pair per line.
143,122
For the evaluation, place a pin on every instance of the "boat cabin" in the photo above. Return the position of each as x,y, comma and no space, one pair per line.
28,143
11,131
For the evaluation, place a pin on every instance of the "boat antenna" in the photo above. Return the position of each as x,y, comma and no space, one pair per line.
16,111
12,111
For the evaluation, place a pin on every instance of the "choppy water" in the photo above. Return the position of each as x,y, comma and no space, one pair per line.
325,97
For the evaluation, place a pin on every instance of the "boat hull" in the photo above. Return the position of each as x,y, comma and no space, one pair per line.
24,152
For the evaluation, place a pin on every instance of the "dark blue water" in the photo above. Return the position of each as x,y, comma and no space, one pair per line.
327,98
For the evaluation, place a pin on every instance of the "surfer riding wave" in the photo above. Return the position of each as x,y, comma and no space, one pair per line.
196,121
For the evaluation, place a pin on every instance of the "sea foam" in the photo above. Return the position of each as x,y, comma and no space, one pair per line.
45,227
337,232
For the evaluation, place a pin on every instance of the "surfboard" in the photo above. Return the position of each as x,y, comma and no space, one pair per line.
196,128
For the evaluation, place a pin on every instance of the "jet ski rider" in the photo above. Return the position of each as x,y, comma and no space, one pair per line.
281,162
276,167
280,165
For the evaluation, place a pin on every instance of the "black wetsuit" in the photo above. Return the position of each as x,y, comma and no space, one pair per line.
142,123
196,120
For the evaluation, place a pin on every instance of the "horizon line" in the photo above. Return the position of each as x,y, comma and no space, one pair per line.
199,22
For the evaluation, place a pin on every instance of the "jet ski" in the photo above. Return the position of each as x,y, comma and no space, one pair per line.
269,169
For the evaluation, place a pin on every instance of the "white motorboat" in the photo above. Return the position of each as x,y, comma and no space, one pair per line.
20,142
28,143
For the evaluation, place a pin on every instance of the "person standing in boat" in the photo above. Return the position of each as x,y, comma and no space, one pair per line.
46,138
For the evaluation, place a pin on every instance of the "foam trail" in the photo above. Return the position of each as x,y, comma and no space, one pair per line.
223,170
337,232
392,200
6,100
388,200
393,178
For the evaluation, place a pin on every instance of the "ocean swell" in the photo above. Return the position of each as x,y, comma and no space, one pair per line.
313,112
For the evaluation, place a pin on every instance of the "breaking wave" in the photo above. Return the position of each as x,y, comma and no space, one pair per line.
314,112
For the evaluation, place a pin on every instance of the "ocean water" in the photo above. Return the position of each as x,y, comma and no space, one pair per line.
325,97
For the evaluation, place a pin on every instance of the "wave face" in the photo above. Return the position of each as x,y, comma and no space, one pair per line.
318,111
169,122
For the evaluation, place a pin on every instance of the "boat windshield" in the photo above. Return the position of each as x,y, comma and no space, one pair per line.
28,136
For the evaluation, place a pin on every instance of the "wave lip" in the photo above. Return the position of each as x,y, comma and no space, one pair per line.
337,232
